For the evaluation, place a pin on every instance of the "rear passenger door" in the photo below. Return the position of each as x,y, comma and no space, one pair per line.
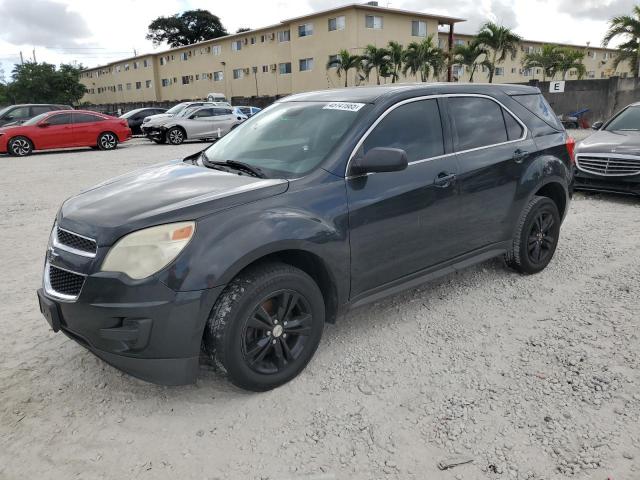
492,147
87,128
200,123
402,222
225,120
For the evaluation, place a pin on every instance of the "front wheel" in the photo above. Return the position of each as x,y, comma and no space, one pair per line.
107,141
175,136
266,326
536,236
20,147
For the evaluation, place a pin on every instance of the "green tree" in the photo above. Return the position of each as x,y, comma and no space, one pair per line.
243,29
626,27
469,56
374,58
424,58
344,62
500,42
548,59
44,83
186,28
396,56
569,59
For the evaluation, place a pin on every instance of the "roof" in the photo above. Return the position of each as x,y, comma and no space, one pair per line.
370,94
540,42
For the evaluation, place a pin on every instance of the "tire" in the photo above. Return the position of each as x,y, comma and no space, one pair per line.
536,237
107,141
251,336
159,141
175,136
20,147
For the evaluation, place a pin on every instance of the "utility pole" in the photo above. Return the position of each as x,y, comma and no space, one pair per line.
21,59
34,56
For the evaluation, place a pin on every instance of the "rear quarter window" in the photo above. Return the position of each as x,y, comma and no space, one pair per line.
538,105
478,122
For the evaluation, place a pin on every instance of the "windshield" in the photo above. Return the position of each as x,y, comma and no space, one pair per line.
177,108
130,113
287,139
628,119
5,110
35,119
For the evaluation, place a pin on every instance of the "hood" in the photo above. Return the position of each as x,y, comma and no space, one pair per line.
160,194
611,142
158,119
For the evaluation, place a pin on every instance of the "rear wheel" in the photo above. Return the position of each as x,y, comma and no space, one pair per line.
107,141
20,147
266,326
536,236
175,136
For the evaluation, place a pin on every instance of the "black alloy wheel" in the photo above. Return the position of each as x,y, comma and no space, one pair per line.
541,239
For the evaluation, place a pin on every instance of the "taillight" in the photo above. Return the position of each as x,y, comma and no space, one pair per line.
571,148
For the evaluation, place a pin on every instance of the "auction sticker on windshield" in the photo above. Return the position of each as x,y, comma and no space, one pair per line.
349,107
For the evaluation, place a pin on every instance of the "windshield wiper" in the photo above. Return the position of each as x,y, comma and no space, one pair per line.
235,165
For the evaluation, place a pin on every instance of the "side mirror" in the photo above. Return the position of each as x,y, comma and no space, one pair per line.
380,159
597,125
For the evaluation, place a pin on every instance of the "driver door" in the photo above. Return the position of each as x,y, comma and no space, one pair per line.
58,132
199,124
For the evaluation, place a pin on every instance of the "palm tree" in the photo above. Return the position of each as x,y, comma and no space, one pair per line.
500,42
396,54
424,58
548,59
375,58
568,59
468,56
628,28
344,62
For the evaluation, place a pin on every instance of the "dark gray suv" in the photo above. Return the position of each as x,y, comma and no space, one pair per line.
323,202
17,114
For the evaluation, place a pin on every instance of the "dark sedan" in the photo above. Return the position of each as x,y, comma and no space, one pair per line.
609,160
135,117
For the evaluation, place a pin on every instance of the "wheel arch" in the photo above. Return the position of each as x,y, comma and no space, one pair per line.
178,126
556,192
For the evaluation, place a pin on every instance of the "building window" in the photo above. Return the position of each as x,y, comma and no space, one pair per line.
126,67
591,74
145,63
118,68
198,76
373,21
499,71
458,70
136,65
418,28
336,23
119,87
166,82
305,30
284,36
285,68
236,46
216,50
265,68
218,76
253,40
162,61
138,85
459,43
238,73
185,80
184,57
147,84
332,58
263,38
128,86
513,70
306,64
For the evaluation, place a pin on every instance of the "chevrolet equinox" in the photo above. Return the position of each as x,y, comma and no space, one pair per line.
323,202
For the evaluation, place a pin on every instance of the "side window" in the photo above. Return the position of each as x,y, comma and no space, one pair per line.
60,119
38,109
414,127
478,122
204,112
19,113
86,118
222,111
514,129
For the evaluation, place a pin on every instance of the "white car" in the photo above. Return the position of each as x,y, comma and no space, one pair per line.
200,123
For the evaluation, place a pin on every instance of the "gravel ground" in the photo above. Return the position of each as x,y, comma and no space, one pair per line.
526,377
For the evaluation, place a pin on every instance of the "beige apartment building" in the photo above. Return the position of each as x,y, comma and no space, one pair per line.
291,57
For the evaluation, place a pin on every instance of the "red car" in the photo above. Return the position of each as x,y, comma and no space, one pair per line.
64,129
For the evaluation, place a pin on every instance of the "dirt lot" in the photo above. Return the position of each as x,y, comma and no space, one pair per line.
529,377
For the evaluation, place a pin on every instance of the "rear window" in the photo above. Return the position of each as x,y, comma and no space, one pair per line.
537,105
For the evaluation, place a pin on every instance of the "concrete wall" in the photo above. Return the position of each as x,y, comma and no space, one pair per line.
602,97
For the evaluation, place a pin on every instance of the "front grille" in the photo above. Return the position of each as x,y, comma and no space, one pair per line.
65,282
76,242
611,165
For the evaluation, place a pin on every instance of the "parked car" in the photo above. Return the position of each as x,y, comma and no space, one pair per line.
154,121
216,97
194,123
609,160
17,114
135,117
323,202
248,111
64,129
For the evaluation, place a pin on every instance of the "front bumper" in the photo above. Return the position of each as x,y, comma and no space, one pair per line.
629,185
140,327
154,133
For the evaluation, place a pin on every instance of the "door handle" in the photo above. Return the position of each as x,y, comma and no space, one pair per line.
519,155
444,179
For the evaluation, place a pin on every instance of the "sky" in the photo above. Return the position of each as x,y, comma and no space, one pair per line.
94,32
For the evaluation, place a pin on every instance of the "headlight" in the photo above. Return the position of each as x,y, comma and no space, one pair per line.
148,251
